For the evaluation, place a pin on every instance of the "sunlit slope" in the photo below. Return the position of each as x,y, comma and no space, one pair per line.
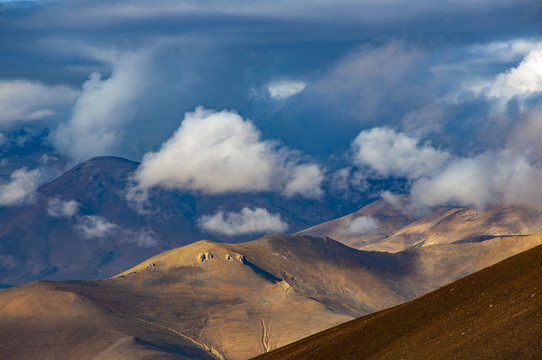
492,314
47,320
399,229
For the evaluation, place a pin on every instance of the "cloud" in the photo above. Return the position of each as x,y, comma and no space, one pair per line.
248,221
464,182
94,227
59,208
144,237
389,153
103,108
306,181
524,79
284,89
510,175
20,188
362,225
97,227
219,152
23,100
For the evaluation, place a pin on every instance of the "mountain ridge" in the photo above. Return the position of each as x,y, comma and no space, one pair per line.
104,232
232,301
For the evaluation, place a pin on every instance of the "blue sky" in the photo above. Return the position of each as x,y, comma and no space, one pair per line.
295,97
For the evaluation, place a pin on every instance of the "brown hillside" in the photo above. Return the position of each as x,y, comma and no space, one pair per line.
495,313
230,301
399,230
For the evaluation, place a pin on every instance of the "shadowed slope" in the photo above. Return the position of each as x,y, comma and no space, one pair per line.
492,314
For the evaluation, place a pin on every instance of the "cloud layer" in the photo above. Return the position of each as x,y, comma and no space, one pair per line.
412,92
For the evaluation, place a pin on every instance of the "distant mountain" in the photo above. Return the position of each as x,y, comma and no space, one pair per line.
82,226
394,228
228,301
492,314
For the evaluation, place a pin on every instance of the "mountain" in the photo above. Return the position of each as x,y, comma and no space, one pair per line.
397,229
82,225
492,314
228,301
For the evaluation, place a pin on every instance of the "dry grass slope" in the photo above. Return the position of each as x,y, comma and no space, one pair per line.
495,313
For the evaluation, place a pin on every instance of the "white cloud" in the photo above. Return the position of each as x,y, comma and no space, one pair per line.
306,181
59,208
524,79
362,225
509,175
465,182
21,187
22,100
284,89
389,153
103,108
248,221
516,82
219,152
94,227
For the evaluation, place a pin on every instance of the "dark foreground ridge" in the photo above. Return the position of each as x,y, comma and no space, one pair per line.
495,313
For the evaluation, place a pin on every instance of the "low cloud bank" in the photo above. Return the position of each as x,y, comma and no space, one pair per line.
362,225
247,221
20,189
94,227
59,208
509,175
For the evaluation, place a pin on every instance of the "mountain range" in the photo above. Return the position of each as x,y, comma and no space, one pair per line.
83,224
225,297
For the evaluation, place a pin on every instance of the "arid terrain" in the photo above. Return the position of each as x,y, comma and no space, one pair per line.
229,301
492,314
398,229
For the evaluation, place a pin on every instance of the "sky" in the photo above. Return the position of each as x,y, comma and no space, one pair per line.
302,98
